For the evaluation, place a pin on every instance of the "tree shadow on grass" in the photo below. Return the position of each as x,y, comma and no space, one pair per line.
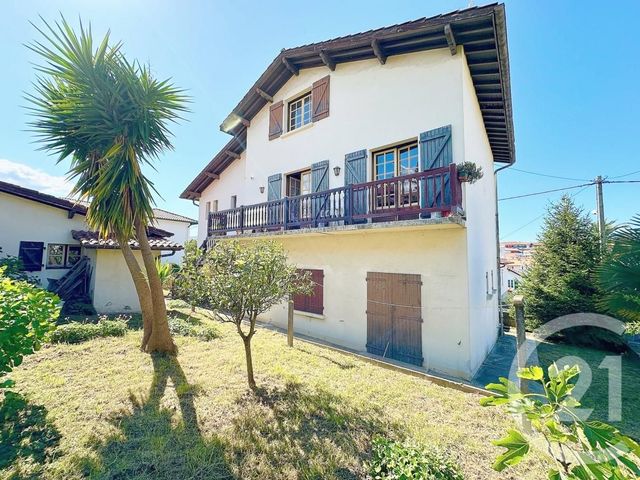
25,432
149,443
303,432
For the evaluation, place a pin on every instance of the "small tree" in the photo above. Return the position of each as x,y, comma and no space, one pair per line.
619,274
27,315
247,279
560,279
189,283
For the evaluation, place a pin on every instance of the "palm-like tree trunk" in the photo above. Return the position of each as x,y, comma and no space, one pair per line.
160,339
142,290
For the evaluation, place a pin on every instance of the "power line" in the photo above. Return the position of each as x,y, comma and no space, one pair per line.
541,215
549,176
546,191
627,174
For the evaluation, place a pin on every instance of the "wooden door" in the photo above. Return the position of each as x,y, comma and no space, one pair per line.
394,316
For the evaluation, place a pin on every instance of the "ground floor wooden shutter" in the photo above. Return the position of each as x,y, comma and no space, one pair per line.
275,120
436,148
30,254
313,303
320,99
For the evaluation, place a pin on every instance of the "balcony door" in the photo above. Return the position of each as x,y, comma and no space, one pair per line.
298,184
391,163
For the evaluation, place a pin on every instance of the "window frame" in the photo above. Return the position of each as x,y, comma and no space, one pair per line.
65,255
312,304
396,150
300,99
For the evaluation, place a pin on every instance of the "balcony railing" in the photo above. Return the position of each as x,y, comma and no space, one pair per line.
398,198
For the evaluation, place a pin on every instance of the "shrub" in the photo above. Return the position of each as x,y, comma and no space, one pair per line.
27,315
179,326
393,460
77,332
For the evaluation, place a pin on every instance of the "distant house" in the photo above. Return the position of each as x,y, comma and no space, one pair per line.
177,224
346,152
51,237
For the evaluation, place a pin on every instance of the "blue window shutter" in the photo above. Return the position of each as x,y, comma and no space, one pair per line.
274,189
436,148
355,167
320,176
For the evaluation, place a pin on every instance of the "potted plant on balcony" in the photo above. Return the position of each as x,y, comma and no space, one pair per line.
469,172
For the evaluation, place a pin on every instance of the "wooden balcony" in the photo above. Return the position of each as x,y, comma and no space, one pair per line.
407,197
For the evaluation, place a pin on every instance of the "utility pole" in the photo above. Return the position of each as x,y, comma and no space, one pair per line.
600,212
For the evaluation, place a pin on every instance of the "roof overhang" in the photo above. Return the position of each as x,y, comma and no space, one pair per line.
481,31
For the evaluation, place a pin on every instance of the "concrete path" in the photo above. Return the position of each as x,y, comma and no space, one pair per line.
501,359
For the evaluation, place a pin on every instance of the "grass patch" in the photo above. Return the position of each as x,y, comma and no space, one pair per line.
596,396
121,413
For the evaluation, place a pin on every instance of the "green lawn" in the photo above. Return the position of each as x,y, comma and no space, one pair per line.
596,396
103,409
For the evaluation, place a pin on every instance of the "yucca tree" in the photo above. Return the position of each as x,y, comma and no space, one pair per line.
619,273
110,117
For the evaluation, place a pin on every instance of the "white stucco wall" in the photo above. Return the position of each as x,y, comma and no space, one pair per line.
436,254
180,232
113,287
372,105
480,208
26,220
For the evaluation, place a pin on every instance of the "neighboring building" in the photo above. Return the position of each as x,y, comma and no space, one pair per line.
51,237
177,224
515,258
345,151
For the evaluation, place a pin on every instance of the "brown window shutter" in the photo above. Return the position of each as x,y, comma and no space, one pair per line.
320,97
313,303
275,120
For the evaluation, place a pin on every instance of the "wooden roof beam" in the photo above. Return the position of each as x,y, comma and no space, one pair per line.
290,66
212,176
193,194
378,51
451,39
264,95
232,154
244,121
327,60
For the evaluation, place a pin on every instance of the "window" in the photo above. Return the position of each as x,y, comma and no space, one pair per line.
62,256
215,206
208,207
55,255
396,161
234,201
300,111
313,303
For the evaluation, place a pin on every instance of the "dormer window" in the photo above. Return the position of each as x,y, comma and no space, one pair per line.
300,111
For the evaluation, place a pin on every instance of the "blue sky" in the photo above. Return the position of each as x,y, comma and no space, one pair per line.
574,69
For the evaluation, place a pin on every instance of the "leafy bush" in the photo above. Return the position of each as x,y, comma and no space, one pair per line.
581,450
399,461
27,315
179,326
77,332
189,284
177,303
14,269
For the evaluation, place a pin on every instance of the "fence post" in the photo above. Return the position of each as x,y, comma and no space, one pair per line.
285,212
290,322
241,219
518,303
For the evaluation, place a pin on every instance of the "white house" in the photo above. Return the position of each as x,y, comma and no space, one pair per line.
177,224
51,237
346,152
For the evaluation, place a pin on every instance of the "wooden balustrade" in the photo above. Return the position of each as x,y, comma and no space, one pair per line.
397,198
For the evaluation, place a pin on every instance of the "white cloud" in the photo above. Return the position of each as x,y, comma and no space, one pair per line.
29,177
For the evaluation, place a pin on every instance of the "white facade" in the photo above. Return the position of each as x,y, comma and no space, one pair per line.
374,106
181,234
27,220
